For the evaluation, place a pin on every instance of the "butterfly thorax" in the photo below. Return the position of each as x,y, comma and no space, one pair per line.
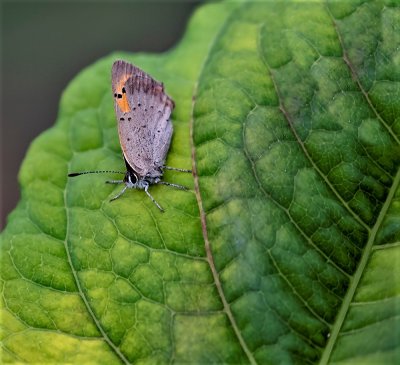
135,180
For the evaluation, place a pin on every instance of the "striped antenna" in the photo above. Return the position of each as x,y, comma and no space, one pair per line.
73,174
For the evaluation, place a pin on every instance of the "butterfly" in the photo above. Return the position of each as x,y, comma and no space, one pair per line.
143,112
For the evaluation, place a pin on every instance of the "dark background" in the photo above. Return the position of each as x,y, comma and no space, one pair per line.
44,44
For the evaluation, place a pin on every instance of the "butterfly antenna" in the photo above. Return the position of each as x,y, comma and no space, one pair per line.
175,169
73,174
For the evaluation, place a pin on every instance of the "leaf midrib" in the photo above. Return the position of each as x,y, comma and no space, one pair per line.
202,213
210,257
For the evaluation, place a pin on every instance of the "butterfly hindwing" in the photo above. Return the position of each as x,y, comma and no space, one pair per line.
162,139
143,111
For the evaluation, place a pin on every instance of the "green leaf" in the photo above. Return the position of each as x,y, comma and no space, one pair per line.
285,250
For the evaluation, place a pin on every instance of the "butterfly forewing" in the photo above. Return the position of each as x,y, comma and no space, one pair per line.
143,112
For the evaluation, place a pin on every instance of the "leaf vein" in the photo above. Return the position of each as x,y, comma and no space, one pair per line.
354,74
285,210
301,143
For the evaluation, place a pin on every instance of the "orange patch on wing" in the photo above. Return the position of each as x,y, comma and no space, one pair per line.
122,103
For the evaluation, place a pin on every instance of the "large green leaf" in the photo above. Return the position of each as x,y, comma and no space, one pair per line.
290,253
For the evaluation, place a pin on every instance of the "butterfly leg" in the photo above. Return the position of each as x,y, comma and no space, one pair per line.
114,181
175,169
180,187
152,199
119,194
